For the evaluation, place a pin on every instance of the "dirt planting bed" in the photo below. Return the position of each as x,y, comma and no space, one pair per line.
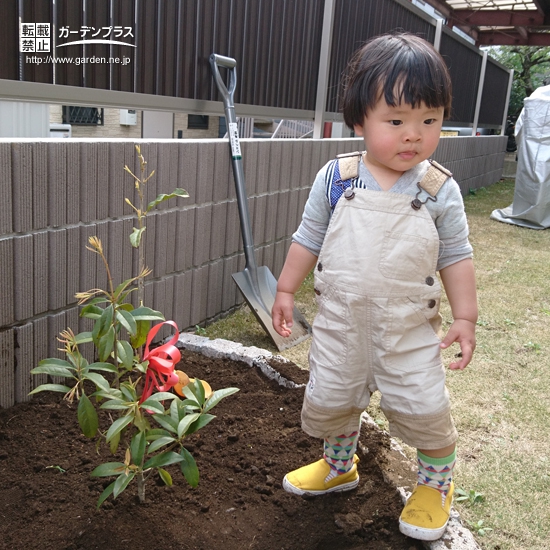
48,499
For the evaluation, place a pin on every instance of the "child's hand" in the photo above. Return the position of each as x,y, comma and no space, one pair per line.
281,314
463,332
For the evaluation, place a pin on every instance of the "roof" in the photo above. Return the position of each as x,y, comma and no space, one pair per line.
499,22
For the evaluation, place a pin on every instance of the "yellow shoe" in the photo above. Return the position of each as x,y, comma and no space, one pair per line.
310,479
426,513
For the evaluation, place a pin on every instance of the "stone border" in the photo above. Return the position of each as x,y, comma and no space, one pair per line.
456,537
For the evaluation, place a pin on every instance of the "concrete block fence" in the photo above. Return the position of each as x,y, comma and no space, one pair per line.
54,195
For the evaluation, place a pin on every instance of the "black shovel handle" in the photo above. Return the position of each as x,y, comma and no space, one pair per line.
236,158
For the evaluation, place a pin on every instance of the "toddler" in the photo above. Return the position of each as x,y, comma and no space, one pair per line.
376,228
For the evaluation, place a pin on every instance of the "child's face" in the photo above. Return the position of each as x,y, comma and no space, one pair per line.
398,138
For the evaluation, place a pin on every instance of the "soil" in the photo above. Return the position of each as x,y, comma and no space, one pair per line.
48,499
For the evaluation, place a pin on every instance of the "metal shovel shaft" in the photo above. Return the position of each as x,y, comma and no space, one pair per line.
257,284
236,157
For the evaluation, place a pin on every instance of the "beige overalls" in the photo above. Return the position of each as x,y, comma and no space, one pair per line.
378,322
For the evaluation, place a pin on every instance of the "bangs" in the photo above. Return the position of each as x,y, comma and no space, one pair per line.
414,80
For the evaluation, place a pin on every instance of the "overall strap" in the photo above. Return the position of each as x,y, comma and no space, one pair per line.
432,181
435,177
348,165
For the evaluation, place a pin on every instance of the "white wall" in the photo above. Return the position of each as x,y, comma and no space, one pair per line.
19,119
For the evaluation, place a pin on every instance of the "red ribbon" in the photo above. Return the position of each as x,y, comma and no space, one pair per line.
162,360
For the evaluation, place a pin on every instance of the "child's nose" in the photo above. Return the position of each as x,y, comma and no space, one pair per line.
413,135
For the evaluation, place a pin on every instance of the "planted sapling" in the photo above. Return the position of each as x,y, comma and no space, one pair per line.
130,381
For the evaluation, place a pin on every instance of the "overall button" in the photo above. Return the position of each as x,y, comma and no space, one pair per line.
349,193
430,281
319,266
416,204
431,304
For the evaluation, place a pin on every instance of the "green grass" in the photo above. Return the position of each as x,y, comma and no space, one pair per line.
501,402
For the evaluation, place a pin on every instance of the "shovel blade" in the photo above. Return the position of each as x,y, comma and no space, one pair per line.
259,293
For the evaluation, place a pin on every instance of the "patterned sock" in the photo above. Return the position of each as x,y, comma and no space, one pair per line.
436,472
338,452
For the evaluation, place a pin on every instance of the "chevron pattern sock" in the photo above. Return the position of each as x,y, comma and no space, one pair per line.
436,472
338,452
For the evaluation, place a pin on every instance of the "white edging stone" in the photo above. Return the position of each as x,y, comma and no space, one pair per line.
226,349
456,537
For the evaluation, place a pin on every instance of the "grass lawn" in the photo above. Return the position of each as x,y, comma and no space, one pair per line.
501,402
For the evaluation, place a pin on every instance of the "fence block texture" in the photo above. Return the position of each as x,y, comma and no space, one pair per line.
55,195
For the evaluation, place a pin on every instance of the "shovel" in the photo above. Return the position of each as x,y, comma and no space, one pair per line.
257,284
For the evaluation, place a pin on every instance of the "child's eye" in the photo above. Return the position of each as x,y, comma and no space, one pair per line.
395,122
429,121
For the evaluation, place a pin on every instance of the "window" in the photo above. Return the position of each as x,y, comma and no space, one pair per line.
197,122
83,116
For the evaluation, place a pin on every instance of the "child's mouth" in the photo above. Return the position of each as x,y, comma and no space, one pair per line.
407,155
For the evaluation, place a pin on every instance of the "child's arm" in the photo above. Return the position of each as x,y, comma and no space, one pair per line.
460,286
299,262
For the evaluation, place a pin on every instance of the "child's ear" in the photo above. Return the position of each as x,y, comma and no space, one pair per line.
358,129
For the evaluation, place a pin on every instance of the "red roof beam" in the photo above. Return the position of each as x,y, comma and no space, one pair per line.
500,18
512,39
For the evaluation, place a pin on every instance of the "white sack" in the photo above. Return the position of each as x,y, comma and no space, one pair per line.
531,206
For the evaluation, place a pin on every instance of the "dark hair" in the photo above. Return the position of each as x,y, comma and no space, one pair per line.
399,67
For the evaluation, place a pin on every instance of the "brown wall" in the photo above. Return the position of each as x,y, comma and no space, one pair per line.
55,194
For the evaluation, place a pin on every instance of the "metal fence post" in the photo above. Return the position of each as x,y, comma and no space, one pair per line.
479,93
324,66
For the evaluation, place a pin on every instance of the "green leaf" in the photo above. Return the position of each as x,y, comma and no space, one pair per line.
83,338
105,495
122,482
185,422
127,320
175,411
108,469
103,324
116,405
137,448
51,387
106,367
98,380
125,354
53,361
53,370
128,391
143,328
87,417
163,459
200,423
156,433
159,443
167,423
114,443
164,197
106,344
152,405
217,396
162,396
118,425
147,314
123,286
135,237
91,311
188,392
165,476
189,467
189,404
199,391
111,393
